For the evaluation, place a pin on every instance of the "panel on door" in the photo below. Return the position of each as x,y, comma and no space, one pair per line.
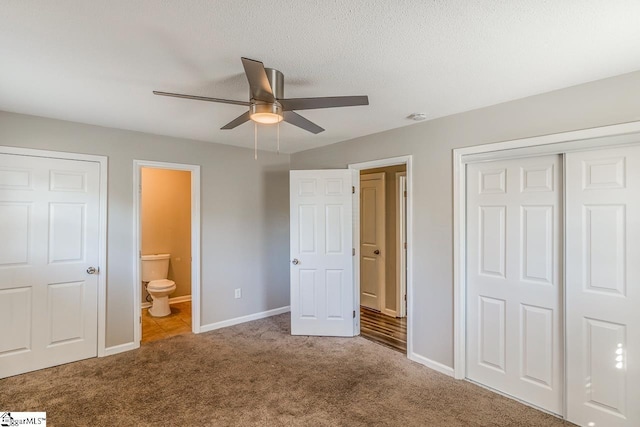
15,227
372,240
49,213
514,286
603,287
65,305
322,285
15,321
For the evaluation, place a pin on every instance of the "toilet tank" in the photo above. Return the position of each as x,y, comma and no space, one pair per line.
155,267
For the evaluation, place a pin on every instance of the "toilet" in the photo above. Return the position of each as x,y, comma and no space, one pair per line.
155,269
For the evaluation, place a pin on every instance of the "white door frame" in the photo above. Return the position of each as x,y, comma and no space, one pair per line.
393,161
580,140
195,242
102,224
401,258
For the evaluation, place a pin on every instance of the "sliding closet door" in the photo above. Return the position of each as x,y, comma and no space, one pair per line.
603,287
514,285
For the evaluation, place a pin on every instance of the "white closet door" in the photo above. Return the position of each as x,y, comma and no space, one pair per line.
514,289
49,237
603,287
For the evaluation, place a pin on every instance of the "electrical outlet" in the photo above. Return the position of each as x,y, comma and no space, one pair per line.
238,293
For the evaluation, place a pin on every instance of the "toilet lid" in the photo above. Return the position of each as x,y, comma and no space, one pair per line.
159,285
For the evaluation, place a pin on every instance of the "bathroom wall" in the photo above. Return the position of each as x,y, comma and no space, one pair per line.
166,222
390,194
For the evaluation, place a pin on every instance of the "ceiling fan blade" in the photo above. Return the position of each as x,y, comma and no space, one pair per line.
324,102
258,81
201,98
237,121
297,120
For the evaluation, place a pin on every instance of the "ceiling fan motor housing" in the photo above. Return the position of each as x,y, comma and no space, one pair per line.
269,112
276,80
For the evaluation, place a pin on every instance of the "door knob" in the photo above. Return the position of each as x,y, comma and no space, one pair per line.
377,252
93,270
295,261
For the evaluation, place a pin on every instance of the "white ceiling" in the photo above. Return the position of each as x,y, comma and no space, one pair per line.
98,61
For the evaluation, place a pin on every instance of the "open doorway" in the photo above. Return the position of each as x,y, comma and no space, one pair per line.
167,261
165,244
382,255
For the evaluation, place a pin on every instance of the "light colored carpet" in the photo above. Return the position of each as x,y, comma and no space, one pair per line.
257,374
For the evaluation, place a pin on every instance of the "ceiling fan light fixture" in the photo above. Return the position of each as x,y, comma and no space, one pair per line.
267,103
266,114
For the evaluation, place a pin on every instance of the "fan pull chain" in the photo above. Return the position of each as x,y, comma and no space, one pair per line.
278,138
255,140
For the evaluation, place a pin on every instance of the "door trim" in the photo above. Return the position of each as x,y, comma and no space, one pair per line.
103,161
392,161
401,258
195,242
559,143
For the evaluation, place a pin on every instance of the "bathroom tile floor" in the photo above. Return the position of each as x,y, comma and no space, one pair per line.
158,328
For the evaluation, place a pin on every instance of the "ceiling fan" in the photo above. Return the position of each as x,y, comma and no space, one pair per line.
267,104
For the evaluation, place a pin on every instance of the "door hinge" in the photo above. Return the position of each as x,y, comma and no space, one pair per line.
405,245
354,314
405,297
353,251
140,319
353,189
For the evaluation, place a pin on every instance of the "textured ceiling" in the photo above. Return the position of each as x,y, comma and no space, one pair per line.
98,61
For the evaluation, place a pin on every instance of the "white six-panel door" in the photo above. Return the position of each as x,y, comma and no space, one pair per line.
603,287
372,241
514,315
49,226
322,283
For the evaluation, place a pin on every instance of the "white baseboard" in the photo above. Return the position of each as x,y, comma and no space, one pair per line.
110,351
243,319
432,364
175,300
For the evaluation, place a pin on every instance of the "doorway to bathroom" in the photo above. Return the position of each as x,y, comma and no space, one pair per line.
167,239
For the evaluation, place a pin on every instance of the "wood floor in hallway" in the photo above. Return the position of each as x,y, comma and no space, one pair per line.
386,330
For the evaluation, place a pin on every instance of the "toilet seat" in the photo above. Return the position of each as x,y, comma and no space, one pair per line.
160,285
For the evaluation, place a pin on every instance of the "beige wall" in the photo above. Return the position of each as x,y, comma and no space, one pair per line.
604,102
390,194
166,222
245,204
244,215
